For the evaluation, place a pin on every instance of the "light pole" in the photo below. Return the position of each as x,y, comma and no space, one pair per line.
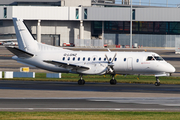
131,26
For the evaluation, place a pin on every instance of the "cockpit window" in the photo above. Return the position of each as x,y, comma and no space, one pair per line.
150,58
153,58
159,58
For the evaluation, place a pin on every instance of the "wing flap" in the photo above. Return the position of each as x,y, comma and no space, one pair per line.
19,53
67,65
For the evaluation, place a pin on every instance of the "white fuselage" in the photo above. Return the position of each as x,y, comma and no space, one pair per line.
125,63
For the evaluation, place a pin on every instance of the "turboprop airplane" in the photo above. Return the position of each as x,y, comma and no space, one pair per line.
57,59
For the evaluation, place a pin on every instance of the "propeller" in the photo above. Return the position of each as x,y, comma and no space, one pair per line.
110,63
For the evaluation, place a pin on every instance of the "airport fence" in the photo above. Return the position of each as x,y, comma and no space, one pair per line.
145,40
177,46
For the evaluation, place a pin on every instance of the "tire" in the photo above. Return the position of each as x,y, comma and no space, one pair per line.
157,83
113,82
81,82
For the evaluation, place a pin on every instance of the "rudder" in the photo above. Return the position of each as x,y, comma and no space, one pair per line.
25,40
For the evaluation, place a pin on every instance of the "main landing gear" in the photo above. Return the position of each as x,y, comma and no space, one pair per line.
81,81
157,83
113,81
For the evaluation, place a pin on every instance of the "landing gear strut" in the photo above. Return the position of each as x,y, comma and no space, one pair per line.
113,81
157,83
81,81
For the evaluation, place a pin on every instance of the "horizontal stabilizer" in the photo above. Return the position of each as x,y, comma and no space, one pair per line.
67,65
19,53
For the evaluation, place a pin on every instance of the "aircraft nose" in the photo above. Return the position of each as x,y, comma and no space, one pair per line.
170,68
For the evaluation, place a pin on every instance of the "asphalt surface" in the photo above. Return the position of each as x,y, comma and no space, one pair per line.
58,96
95,104
88,87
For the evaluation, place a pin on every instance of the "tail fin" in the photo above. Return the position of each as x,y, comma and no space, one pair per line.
25,40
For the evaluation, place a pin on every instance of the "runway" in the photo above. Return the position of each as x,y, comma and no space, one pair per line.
64,96
93,104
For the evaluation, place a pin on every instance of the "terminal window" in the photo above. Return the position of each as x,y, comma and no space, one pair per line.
5,12
133,14
85,13
1,23
146,26
139,27
77,13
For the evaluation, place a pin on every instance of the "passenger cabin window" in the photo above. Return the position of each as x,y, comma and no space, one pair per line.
109,59
137,60
83,58
68,58
99,59
94,59
73,58
157,58
124,59
104,59
89,59
115,59
78,58
63,58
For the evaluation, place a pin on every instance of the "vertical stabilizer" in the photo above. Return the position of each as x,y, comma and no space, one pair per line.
25,40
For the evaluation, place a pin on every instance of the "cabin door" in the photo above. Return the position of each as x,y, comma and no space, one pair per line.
130,64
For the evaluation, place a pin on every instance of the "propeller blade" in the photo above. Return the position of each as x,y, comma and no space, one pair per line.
107,58
114,57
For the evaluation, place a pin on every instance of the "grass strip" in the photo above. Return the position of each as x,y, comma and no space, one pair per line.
89,115
67,77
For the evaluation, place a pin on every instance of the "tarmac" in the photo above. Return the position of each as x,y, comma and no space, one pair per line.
65,96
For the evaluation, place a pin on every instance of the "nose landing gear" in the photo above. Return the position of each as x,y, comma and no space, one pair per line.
157,83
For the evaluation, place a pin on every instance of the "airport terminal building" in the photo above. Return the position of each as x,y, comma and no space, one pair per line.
92,22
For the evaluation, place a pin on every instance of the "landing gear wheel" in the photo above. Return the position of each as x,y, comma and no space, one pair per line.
81,82
157,83
113,81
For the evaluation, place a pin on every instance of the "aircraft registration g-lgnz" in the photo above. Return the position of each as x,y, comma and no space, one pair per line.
57,59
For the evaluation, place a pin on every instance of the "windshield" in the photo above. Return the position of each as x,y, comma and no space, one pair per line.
153,58
159,58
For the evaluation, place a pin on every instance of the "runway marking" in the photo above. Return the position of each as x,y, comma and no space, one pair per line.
175,105
173,102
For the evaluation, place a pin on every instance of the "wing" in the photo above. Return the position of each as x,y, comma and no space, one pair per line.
19,53
67,65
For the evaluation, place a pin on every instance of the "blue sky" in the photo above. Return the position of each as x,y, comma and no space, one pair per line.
171,3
